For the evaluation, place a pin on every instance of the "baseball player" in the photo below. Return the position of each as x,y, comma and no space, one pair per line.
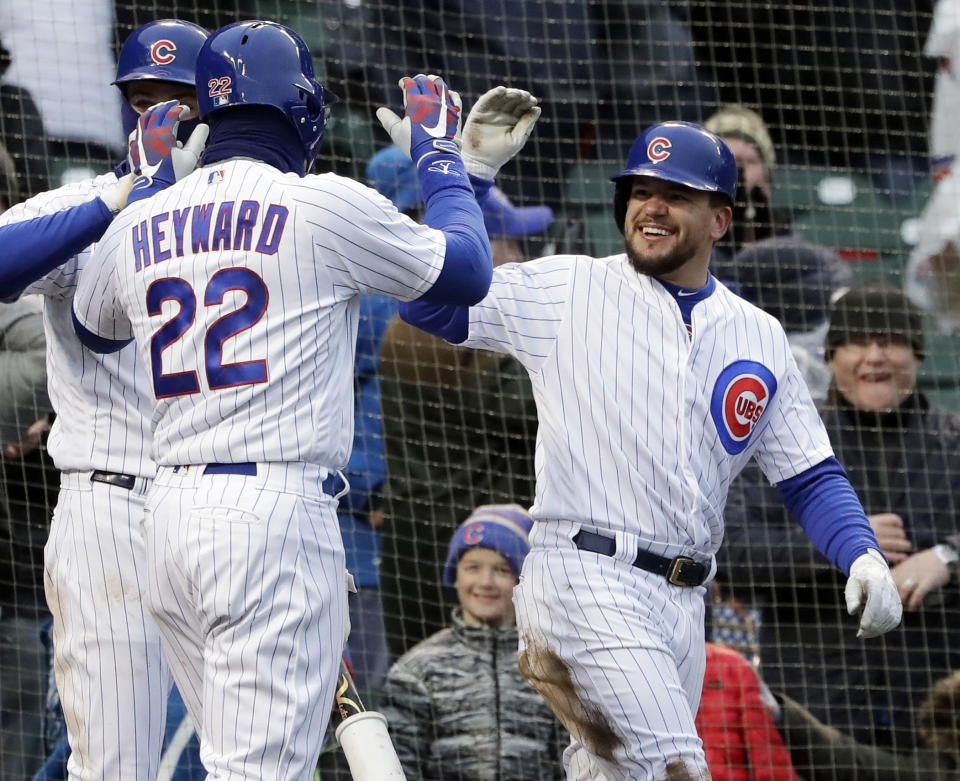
654,385
110,671
241,285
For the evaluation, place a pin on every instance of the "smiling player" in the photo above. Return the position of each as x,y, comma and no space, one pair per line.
654,386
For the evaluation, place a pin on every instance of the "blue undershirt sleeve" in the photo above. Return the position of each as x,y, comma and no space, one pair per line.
35,247
829,512
452,208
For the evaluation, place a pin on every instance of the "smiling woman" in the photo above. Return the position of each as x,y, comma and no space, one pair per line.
874,347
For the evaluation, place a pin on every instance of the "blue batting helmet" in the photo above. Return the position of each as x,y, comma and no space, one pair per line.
165,50
263,64
677,152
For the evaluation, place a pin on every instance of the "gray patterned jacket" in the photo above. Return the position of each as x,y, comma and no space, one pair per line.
458,710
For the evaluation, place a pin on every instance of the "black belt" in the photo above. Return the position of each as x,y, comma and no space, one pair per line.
114,478
680,571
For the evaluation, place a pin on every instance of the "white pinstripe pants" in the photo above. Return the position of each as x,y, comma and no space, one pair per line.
634,648
247,583
111,675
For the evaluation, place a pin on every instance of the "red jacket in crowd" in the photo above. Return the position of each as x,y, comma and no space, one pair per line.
739,737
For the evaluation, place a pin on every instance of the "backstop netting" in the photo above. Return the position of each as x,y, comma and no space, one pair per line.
844,115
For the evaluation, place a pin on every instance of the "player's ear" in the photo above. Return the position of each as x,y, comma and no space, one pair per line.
722,217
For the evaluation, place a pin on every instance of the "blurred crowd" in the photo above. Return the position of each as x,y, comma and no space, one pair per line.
443,461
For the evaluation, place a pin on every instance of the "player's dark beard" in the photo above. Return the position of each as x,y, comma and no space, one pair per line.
660,266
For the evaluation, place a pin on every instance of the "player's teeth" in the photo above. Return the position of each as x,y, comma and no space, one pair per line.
655,231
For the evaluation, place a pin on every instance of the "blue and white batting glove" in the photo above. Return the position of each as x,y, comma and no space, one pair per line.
157,159
431,121
872,590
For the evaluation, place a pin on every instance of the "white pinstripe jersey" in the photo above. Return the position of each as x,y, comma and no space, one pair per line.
641,425
101,403
240,285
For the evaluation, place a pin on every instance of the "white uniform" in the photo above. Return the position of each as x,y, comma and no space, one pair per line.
111,675
241,286
641,428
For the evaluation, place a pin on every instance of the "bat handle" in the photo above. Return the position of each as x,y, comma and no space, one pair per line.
347,697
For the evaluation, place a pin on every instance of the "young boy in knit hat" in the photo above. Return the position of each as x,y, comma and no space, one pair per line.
456,704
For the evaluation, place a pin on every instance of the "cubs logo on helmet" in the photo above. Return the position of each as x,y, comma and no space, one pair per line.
741,393
658,149
163,52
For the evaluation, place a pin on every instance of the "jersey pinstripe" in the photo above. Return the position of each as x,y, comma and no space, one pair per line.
253,274
101,400
627,441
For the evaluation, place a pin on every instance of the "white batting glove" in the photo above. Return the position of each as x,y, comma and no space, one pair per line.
186,155
871,588
496,129
115,195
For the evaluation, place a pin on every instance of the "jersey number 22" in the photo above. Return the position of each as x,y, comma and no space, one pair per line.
219,374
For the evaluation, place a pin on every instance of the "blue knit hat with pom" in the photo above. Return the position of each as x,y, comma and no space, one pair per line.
500,527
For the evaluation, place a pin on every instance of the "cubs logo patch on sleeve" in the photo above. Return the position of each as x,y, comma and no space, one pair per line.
743,390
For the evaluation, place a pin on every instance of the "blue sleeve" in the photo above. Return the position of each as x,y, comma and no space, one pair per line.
446,319
452,208
35,247
830,512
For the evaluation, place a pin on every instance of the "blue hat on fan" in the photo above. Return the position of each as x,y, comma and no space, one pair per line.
392,174
499,527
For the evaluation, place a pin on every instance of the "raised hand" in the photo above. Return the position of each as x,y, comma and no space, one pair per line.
157,159
431,121
496,129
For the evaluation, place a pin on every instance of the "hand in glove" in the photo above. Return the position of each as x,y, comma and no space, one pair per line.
431,122
496,129
157,159
872,590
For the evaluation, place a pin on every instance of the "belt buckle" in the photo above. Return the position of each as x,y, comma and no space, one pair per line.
675,569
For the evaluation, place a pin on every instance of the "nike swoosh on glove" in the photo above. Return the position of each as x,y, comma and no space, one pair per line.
157,159
872,590
431,121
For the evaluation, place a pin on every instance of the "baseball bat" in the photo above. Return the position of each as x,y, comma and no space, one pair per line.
363,735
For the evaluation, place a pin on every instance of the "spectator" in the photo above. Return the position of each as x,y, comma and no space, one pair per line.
460,431
22,133
456,703
764,260
825,754
903,458
739,737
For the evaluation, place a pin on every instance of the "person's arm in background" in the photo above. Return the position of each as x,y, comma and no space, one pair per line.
822,753
769,758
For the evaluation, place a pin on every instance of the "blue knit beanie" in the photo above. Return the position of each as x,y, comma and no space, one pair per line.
500,527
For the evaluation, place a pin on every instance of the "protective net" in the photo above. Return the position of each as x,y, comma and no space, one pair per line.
843,118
